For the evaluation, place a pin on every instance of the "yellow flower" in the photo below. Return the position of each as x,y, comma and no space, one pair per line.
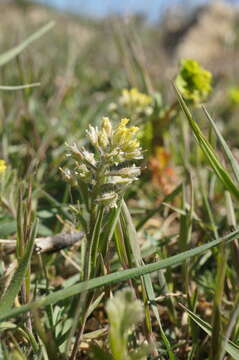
121,132
135,100
106,125
193,81
3,166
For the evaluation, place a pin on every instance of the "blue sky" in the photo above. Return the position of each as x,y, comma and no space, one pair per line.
100,8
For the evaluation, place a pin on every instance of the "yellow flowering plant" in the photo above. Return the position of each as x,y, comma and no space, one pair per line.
135,100
103,173
103,170
133,103
193,81
3,166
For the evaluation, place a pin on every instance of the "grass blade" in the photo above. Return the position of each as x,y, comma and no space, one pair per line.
18,87
131,237
230,347
233,162
12,53
208,151
18,277
116,277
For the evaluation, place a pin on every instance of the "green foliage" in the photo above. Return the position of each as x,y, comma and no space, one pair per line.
168,246
116,277
124,312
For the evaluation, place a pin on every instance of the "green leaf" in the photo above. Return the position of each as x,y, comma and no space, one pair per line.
131,236
208,151
96,237
12,53
233,162
230,347
43,230
8,228
18,277
116,277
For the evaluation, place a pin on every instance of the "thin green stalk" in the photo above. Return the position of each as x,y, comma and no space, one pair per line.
216,343
231,219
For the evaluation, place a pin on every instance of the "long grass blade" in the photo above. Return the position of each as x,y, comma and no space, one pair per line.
131,237
230,347
18,277
12,53
208,151
18,87
117,276
233,162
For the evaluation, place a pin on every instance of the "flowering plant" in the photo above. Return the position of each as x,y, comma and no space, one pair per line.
104,170
193,81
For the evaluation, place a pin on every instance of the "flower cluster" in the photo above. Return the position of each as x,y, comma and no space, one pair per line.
193,81
104,170
3,166
136,101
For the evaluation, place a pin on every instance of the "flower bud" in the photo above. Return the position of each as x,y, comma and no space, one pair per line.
3,166
93,135
83,172
132,171
106,125
103,139
75,152
88,157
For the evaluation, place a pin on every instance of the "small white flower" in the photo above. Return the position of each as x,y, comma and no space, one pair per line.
112,107
83,172
66,173
88,157
93,135
132,171
148,110
136,154
120,180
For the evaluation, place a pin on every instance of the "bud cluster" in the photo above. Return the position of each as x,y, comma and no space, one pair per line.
136,101
104,169
193,81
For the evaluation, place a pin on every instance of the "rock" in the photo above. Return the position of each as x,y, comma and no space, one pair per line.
211,35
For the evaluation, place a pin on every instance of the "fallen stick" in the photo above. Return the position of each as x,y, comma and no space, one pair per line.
50,244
